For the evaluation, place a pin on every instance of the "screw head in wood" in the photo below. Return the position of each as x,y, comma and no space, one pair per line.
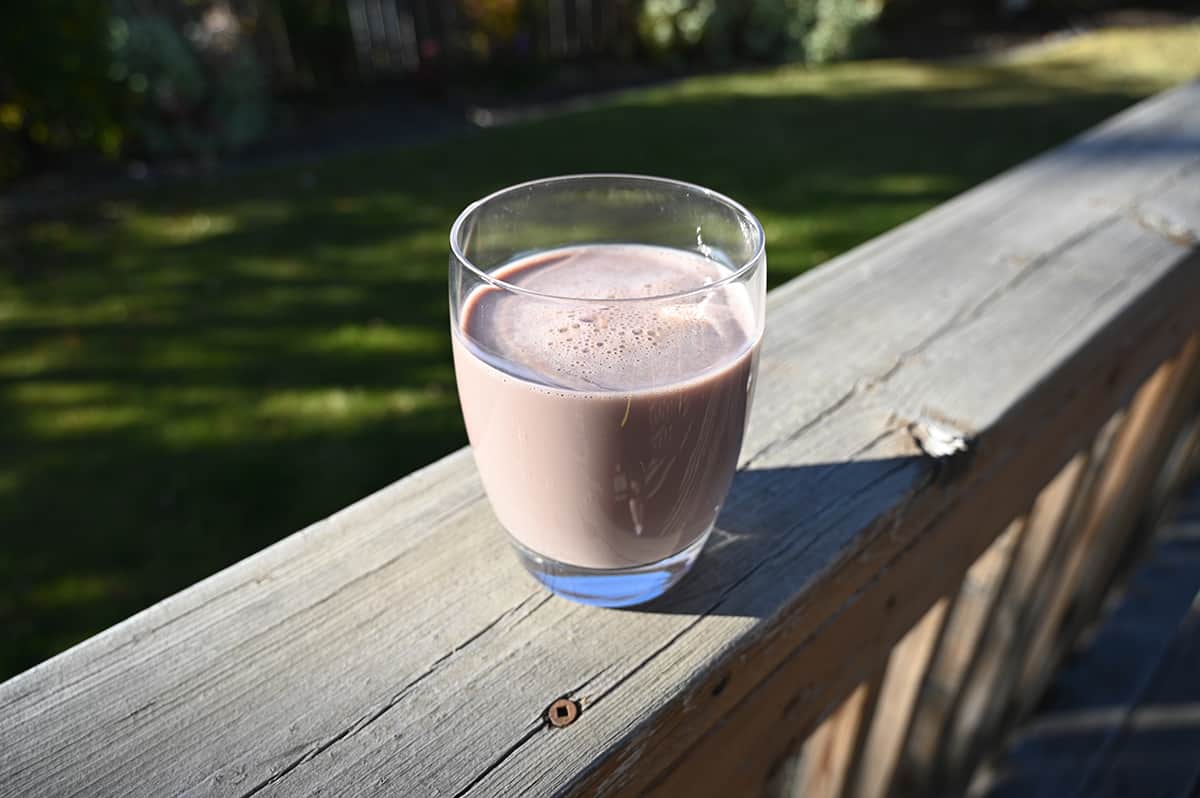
562,712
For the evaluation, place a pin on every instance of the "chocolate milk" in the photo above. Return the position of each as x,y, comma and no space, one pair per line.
607,433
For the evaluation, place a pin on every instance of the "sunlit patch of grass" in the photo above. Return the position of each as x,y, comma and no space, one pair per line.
80,421
904,184
336,407
56,394
52,409
92,300
377,336
1144,60
1147,59
277,299
392,251
178,229
265,267
845,79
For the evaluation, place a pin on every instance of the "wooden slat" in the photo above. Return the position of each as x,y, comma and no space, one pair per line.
833,753
989,689
948,674
1137,456
907,666
1067,520
1177,470
397,646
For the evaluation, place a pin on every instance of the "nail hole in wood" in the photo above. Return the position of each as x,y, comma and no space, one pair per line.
562,712
719,687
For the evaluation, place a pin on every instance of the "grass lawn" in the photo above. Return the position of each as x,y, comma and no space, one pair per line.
190,375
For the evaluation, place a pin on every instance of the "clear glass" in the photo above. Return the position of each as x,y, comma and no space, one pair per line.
605,332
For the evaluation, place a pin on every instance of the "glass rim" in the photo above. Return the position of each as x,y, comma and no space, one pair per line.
743,268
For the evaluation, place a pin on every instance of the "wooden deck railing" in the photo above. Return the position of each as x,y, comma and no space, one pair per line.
959,431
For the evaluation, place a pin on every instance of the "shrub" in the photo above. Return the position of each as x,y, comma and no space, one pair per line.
842,28
812,30
777,28
86,76
674,26
55,91
198,95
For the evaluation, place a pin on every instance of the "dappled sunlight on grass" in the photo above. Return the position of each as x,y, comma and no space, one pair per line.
1140,61
337,407
177,229
188,375
377,337
76,422
1145,59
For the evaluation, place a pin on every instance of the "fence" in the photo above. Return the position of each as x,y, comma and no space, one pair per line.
361,41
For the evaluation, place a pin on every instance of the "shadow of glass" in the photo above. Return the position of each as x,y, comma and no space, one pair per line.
780,530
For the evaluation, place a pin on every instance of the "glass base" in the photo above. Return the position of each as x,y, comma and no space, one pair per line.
611,587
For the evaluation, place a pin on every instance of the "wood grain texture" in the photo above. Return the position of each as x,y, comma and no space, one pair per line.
954,659
907,665
1138,453
832,754
397,646
1177,470
1060,513
987,694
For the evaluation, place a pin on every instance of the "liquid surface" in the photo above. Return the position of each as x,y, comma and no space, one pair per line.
607,434
610,347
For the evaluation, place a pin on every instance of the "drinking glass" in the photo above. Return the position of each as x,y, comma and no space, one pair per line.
605,331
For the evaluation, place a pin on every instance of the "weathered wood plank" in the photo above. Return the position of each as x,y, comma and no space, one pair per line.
1137,457
988,693
951,667
1178,468
907,666
1063,518
396,645
832,753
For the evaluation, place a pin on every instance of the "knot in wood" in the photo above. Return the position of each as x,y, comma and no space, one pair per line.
562,712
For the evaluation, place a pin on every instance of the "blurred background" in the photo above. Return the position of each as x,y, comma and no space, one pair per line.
223,223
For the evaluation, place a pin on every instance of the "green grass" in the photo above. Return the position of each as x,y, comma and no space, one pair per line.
190,375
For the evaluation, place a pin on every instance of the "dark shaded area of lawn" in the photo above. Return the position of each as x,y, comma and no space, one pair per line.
191,375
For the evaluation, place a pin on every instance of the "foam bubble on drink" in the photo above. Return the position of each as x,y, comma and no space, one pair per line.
617,345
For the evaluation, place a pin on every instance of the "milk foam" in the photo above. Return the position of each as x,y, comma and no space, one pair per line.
610,346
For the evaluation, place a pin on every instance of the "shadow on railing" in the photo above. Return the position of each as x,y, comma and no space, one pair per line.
746,536
980,658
